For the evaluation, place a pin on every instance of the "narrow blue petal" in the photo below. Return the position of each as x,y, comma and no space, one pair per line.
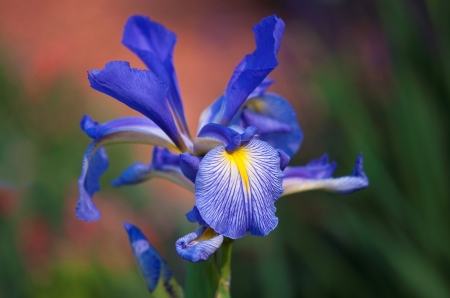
199,245
141,90
189,165
127,130
154,44
164,159
249,73
298,179
316,169
248,134
235,192
164,165
284,159
194,216
229,137
276,121
151,265
95,163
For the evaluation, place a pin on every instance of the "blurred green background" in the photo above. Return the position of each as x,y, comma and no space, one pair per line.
370,76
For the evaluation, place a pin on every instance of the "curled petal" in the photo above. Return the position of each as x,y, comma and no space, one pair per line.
164,165
141,90
95,163
154,44
229,137
249,73
317,176
199,245
151,265
284,159
123,130
275,120
194,216
189,165
235,192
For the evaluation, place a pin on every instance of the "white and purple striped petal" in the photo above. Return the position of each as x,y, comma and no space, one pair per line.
317,175
154,44
142,91
235,192
199,245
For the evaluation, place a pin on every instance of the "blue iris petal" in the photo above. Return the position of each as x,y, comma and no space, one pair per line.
276,121
262,88
154,44
195,249
95,160
151,265
189,165
249,73
235,192
164,165
317,175
284,159
194,216
229,137
140,90
95,163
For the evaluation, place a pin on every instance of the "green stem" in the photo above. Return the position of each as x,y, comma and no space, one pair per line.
225,269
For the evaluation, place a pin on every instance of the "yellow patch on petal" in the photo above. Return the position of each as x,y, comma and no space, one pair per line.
206,235
239,158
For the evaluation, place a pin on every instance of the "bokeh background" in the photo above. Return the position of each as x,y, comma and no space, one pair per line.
370,76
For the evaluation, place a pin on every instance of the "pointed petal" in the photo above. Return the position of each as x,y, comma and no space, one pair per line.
276,121
249,73
151,265
140,90
199,245
316,169
298,179
235,192
154,44
262,88
95,163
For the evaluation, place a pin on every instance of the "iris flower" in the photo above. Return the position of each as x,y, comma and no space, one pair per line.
237,163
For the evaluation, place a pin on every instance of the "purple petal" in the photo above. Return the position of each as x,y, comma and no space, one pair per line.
235,192
95,163
140,90
199,245
310,178
194,216
249,73
151,265
154,44
276,121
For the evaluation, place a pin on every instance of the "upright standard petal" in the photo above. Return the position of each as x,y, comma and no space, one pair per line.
154,44
317,175
151,265
141,90
199,245
235,192
249,73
